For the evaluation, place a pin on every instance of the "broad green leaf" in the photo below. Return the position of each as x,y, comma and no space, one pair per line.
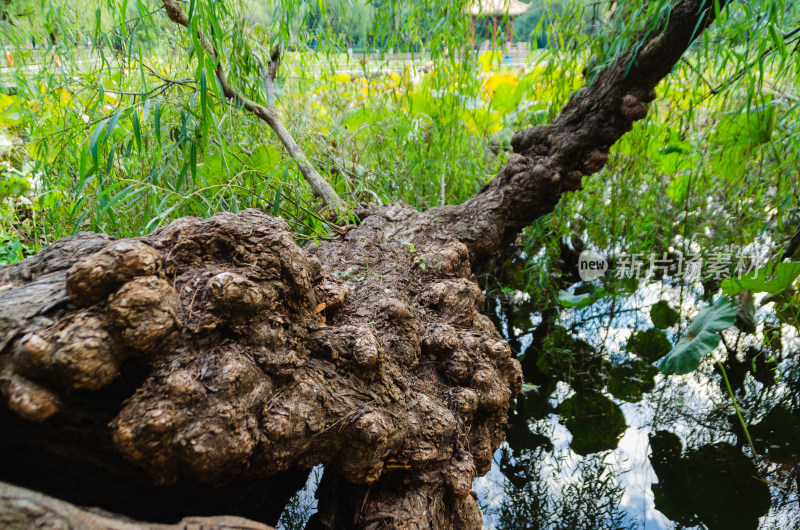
423,102
736,135
768,279
701,338
264,158
214,169
662,315
506,96
364,116
650,345
502,138
713,486
481,121
489,59
630,380
580,301
10,111
676,155
568,299
596,422
12,185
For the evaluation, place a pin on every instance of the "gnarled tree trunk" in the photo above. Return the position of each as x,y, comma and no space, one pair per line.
204,369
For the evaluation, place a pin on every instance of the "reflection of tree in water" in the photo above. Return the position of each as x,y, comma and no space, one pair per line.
589,499
715,484
717,480
706,471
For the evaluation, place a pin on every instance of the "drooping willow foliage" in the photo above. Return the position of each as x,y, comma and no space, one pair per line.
116,122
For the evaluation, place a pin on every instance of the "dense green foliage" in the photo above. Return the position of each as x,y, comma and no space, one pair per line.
137,134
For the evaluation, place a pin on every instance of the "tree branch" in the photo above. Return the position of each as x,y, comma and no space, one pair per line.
552,160
319,186
23,508
270,73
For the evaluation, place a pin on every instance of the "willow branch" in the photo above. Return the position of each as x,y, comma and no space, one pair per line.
269,74
319,186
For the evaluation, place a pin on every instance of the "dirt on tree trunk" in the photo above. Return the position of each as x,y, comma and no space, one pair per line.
206,368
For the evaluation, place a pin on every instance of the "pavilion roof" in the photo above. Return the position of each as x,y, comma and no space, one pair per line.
497,7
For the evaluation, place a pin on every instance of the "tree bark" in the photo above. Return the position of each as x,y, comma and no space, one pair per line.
205,368
22,509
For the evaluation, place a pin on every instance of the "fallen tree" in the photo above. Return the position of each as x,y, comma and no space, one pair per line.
206,368
22,509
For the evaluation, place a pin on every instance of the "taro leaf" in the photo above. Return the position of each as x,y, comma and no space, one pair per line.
358,118
216,168
746,312
701,339
629,380
745,128
596,422
264,158
13,186
519,314
579,301
10,110
737,135
505,96
649,345
568,358
715,484
626,285
770,279
519,435
489,59
348,167
423,101
663,316
676,157
568,299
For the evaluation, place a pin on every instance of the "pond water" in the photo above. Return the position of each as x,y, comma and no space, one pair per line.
604,440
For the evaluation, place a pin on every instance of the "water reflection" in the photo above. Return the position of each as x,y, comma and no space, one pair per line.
603,440
590,500
714,484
